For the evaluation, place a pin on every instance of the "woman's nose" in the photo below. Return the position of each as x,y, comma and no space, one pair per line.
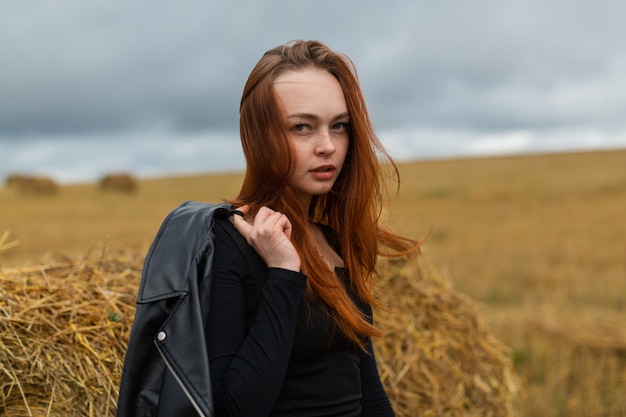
325,144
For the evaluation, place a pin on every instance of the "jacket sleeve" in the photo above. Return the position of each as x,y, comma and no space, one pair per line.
248,367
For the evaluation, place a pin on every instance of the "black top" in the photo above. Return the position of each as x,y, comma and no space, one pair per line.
290,362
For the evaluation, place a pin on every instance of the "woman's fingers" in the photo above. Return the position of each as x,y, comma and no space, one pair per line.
276,221
285,224
268,229
270,235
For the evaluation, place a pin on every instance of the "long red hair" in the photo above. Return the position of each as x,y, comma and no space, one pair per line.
352,208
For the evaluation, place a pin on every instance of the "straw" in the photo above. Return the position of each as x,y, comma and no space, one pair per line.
64,329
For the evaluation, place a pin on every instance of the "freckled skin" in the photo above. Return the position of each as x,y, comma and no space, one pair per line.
317,120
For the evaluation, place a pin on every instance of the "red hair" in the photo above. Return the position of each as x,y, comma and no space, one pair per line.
352,208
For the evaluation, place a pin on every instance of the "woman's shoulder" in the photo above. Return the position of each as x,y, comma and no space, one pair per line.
227,239
232,248
222,227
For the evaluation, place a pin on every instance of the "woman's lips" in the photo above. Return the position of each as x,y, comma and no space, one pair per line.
323,172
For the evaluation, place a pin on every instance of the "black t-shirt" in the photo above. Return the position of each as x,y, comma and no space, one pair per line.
290,362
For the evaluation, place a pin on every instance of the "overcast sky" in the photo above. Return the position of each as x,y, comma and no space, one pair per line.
527,70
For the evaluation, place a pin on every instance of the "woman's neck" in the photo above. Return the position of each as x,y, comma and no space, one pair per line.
324,248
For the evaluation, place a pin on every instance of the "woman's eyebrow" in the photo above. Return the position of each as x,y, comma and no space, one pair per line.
309,116
342,115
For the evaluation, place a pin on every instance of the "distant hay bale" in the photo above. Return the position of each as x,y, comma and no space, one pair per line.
64,330
122,182
13,179
34,185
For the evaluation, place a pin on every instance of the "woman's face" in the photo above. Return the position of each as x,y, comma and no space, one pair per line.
318,124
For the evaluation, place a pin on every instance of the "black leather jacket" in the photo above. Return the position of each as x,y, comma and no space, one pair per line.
166,368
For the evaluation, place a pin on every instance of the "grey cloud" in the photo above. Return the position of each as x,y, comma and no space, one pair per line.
113,65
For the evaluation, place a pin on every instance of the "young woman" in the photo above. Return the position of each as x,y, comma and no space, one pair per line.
297,342
309,206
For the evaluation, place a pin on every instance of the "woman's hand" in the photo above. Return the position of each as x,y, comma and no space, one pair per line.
269,233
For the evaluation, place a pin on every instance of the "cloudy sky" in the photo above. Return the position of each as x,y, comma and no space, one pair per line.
441,77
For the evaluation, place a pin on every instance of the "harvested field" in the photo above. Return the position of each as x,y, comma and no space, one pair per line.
533,244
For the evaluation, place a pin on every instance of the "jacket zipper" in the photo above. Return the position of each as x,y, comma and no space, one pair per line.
182,386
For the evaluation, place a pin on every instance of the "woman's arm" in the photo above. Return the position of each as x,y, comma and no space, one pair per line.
247,369
375,402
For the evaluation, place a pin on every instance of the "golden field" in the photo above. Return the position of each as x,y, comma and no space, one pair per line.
538,241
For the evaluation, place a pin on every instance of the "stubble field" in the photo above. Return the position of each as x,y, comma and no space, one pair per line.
539,241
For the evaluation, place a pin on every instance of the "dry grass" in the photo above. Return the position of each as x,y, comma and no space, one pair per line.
63,334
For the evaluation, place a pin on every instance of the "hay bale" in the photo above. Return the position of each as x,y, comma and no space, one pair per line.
64,330
438,358
63,334
33,185
121,182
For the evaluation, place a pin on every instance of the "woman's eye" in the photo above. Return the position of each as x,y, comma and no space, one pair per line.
301,127
342,126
